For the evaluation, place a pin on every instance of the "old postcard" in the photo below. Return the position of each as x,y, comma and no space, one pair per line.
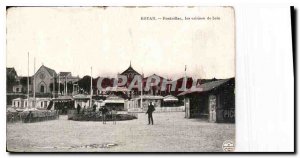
120,79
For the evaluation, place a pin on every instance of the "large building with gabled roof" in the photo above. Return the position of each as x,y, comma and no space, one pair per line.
43,79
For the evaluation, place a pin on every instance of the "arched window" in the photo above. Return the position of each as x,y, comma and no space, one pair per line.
42,89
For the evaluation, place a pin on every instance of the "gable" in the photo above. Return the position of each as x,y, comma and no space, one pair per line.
46,70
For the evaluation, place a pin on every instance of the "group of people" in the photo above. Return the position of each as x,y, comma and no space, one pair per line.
104,112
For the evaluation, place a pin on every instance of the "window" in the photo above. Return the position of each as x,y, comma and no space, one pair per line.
42,89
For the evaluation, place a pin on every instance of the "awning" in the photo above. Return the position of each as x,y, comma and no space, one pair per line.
205,87
114,101
63,98
81,97
151,97
170,98
116,89
11,110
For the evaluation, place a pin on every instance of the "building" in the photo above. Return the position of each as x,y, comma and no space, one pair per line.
130,73
16,86
67,83
214,101
82,100
62,104
114,101
40,103
23,84
170,101
156,100
11,79
155,88
43,79
176,86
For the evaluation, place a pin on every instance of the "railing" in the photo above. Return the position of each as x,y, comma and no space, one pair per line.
32,116
89,115
158,109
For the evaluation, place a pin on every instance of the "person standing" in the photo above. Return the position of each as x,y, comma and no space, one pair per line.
78,108
150,110
104,111
94,108
114,115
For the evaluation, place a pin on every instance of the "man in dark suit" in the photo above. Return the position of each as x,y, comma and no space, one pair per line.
104,112
150,110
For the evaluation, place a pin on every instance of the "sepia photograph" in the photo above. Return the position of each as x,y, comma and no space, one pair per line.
120,79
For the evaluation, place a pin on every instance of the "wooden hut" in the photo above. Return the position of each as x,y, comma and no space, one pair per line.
82,100
213,100
170,101
63,104
115,101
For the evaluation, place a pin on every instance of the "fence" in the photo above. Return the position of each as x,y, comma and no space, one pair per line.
90,115
32,116
158,109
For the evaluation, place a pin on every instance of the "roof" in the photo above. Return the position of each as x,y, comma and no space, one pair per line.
182,79
130,70
51,71
114,101
60,98
205,87
10,70
23,80
81,96
155,75
18,99
114,97
116,89
170,98
152,97
63,74
11,110
31,99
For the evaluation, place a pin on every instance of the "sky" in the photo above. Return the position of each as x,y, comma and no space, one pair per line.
107,39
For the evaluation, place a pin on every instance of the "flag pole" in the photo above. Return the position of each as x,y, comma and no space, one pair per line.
142,93
53,85
27,80
34,83
185,90
66,85
91,88
58,84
